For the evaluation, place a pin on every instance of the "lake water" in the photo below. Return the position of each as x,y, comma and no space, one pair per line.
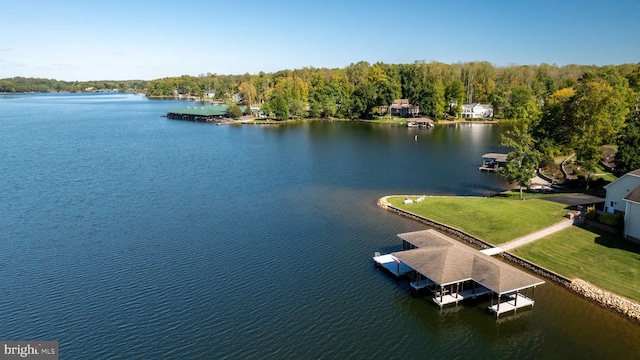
127,235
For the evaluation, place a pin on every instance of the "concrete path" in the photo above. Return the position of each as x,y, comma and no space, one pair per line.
523,240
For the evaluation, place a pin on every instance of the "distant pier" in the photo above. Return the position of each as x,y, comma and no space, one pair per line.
493,161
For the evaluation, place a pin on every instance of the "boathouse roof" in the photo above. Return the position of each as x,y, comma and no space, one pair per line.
447,261
497,156
206,110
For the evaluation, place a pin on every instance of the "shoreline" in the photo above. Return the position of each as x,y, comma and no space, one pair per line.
604,298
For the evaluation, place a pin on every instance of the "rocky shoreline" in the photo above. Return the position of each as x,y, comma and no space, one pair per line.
607,299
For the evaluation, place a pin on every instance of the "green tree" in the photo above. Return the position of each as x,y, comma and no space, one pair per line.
588,155
522,104
522,160
235,111
454,97
627,157
599,108
278,107
554,124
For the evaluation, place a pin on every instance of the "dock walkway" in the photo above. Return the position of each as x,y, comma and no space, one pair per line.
529,238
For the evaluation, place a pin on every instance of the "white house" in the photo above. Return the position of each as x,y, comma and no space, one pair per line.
236,97
619,189
623,196
632,216
475,111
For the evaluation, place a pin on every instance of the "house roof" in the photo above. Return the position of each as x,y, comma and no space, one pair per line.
634,195
447,261
400,103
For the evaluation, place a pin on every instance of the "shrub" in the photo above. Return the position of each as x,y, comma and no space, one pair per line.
610,219
591,212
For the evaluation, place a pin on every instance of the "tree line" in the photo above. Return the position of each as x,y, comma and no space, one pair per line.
24,85
358,90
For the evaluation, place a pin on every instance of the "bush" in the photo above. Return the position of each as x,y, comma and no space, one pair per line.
610,219
234,111
591,213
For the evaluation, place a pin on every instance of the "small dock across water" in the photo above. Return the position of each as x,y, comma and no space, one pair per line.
493,161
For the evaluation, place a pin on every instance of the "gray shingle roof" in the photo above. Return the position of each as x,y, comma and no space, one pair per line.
447,261
634,195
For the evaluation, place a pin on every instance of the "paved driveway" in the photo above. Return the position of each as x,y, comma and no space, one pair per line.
575,199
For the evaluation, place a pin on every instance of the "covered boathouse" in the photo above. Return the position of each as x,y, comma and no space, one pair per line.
206,113
493,161
454,272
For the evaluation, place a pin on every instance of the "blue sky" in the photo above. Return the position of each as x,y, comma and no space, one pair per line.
119,40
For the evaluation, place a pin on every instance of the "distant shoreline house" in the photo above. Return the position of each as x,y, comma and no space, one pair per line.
477,111
623,196
400,107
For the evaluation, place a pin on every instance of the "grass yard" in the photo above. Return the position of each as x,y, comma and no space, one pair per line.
601,258
602,173
495,220
387,120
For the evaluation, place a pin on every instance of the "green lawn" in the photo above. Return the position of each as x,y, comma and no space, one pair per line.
607,176
495,220
603,259
386,120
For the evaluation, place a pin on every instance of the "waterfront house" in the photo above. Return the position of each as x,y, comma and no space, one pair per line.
623,196
210,94
632,216
477,111
400,107
619,189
